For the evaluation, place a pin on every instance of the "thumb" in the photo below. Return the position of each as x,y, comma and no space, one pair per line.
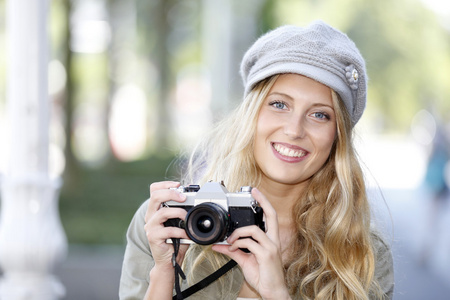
236,255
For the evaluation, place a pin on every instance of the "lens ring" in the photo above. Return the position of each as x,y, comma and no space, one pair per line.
207,223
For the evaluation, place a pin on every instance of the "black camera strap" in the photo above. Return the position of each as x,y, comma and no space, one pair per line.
199,285
178,271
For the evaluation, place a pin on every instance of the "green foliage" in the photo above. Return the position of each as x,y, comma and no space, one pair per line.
90,72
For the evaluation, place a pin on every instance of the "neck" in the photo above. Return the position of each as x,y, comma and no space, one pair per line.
282,197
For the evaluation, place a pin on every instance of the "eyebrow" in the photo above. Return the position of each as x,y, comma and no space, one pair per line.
323,104
290,98
280,94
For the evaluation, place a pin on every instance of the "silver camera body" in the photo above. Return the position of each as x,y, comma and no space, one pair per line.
214,213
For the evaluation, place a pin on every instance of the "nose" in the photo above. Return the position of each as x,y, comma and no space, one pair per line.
294,127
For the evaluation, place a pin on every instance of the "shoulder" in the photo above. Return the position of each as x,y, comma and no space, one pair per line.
381,247
136,227
384,264
136,236
142,210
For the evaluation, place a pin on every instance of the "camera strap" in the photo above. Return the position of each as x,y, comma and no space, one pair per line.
199,285
178,271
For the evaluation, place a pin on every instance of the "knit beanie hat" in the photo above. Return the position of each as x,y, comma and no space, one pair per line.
317,51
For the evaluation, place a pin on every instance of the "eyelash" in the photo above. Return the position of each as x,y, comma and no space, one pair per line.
325,115
277,102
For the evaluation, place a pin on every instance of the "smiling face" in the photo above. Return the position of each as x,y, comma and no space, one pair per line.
295,131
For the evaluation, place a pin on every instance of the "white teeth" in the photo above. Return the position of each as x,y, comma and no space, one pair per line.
288,152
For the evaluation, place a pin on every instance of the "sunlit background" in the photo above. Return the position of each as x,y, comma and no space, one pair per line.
134,83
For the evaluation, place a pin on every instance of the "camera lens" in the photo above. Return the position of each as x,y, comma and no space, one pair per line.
207,223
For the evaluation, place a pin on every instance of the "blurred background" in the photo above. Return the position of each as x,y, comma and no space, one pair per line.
132,84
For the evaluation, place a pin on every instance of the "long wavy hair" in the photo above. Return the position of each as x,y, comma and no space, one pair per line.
332,253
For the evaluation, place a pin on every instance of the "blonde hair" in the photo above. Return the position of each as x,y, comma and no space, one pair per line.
332,255
333,252
226,153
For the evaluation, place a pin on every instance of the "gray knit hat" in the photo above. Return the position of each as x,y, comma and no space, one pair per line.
317,51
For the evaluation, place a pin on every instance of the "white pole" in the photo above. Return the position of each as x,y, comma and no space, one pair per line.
217,44
32,240
228,29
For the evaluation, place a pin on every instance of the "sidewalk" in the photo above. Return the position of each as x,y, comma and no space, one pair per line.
91,273
415,279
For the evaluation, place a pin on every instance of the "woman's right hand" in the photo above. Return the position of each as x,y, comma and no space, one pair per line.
156,215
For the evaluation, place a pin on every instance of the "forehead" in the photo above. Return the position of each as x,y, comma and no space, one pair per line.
296,85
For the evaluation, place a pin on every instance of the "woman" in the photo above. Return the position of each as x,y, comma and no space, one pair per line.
305,89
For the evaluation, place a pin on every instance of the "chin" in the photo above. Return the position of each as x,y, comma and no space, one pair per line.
288,180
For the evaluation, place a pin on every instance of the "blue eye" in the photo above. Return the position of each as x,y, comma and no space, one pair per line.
278,104
321,115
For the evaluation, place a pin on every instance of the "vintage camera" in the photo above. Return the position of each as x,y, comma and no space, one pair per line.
214,213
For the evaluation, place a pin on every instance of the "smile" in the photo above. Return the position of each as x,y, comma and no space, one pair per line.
288,152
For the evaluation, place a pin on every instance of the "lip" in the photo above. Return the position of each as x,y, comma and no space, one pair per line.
288,158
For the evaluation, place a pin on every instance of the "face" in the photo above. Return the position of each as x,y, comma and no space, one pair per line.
295,130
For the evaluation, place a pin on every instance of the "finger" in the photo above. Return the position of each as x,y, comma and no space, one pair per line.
163,185
263,253
255,240
238,256
157,186
160,196
164,214
269,212
164,233
250,242
252,231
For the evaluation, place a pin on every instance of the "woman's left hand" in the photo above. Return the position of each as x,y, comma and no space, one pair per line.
262,267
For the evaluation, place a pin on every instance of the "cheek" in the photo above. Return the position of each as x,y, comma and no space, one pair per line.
259,139
262,134
262,126
325,140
